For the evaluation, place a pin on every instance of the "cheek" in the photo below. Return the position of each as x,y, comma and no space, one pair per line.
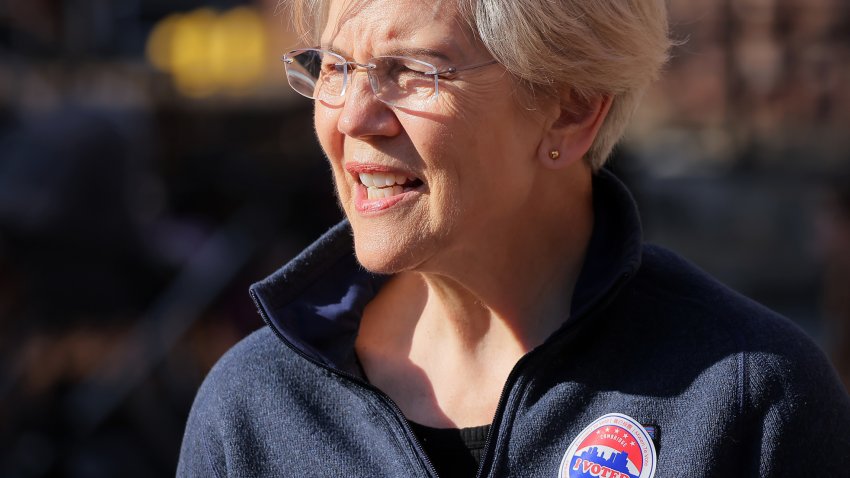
325,122
496,154
331,141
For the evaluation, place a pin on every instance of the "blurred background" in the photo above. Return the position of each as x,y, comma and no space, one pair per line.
153,164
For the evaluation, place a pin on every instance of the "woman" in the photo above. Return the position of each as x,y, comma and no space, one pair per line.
502,316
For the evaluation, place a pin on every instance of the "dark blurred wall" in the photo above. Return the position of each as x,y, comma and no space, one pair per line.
133,217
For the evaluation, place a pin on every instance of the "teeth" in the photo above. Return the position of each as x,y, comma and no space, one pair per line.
383,185
381,193
378,193
380,180
367,180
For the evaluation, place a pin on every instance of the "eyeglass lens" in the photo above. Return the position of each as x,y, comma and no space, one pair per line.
403,81
316,74
398,81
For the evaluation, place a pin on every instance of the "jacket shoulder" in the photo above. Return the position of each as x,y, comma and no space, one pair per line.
787,395
259,355
691,297
237,395
255,373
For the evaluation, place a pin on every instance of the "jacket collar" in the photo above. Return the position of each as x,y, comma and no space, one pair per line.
315,302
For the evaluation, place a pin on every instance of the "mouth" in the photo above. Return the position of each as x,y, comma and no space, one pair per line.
378,187
384,185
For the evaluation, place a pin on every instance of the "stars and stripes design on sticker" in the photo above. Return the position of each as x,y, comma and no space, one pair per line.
613,446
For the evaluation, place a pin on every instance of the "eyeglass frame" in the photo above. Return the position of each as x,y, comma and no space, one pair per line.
370,65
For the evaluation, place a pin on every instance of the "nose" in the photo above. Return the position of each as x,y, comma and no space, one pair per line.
363,114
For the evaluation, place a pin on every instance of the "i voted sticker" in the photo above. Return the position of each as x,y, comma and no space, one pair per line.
613,446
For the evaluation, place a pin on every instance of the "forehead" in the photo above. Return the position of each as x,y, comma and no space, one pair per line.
376,26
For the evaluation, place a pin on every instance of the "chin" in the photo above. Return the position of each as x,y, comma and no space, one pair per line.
379,257
381,253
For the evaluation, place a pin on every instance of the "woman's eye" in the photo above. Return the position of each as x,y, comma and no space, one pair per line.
398,68
332,67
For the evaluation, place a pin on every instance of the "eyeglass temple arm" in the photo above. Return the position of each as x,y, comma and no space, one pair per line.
452,70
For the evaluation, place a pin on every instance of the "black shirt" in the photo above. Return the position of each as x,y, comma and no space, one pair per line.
454,452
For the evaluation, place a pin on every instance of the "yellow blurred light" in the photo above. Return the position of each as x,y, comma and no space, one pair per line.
243,52
207,52
190,53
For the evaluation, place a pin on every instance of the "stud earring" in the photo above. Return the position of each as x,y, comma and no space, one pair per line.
554,154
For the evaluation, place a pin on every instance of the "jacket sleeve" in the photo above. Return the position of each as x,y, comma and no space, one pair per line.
202,451
802,419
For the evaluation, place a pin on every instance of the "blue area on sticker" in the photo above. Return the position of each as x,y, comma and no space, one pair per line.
613,446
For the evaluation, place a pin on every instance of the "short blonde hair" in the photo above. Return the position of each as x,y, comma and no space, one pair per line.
590,48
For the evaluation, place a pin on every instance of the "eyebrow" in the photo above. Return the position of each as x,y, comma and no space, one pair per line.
415,52
419,52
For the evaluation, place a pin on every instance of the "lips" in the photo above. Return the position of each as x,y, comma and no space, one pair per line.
381,187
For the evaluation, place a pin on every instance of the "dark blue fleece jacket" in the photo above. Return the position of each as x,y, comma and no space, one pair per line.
727,387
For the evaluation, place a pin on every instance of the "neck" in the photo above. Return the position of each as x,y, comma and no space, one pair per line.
521,277
433,334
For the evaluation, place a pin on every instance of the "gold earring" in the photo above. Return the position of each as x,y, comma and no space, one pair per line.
554,154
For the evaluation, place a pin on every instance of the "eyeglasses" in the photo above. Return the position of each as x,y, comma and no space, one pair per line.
398,81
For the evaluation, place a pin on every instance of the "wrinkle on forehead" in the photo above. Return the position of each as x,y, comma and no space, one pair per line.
372,16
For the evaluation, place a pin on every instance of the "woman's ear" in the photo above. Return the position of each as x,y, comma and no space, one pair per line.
571,134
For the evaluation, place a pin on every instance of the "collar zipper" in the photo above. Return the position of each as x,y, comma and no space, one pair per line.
399,416
487,457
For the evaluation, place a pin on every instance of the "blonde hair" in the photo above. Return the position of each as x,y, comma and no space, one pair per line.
588,48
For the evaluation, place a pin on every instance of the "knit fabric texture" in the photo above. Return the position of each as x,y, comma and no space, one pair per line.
730,388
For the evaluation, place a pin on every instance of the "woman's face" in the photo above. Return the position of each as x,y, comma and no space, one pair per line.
471,154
